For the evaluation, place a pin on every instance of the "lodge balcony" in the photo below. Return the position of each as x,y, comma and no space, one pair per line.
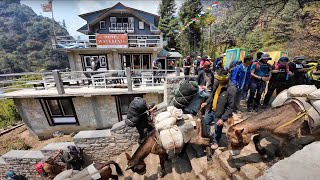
121,29
84,83
89,41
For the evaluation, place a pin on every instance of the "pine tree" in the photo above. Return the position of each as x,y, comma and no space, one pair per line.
189,10
168,24
64,23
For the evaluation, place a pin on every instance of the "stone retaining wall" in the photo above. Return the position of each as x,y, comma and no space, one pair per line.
101,145
21,162
3,168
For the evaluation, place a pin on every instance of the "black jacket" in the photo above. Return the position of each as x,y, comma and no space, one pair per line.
201,80
225,101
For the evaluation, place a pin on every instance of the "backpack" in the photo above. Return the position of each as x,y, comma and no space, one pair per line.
258,65
39,167
137,108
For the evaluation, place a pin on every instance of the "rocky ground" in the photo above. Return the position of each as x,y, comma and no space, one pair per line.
21,139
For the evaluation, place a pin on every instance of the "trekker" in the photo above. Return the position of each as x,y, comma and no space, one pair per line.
299,71
203,60
205,78
187,66
48,168
196,65
139,116
11,175
156,66
240,79
260,74
259,54
219,106
217,64
73,158
279,80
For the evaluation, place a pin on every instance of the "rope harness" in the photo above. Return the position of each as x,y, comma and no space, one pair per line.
299,115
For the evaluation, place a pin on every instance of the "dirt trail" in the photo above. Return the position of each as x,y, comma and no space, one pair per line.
21,139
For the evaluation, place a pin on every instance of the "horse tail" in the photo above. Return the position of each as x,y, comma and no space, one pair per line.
118,169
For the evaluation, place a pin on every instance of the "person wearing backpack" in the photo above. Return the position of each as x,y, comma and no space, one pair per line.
73,158
260,73
140,115
279,80
240,78
47,168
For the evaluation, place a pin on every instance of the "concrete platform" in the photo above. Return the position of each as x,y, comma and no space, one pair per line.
303,164
23,154
81,91
57,146
92,134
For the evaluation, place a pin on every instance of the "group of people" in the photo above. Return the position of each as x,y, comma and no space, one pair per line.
227,87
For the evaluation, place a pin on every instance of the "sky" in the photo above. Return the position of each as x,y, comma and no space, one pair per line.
70,9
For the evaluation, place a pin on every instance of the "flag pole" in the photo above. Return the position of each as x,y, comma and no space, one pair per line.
54,33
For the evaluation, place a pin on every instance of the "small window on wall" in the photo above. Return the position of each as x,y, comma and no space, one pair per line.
59,111
102,25
122,103
101,60
141,25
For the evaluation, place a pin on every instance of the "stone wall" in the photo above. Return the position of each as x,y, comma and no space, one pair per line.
101,145
3,168
21,162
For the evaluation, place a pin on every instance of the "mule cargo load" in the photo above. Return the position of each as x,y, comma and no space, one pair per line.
171,138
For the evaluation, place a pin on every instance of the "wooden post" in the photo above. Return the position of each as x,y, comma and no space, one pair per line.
129,82
58,81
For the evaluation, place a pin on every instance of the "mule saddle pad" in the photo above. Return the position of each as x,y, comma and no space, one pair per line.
314,116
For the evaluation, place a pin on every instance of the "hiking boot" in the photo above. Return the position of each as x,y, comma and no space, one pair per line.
250,109
265,106
214,146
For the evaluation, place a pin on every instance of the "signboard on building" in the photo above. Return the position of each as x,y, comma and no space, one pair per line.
112,40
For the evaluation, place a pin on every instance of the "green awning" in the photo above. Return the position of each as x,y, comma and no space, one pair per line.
175,55
163,53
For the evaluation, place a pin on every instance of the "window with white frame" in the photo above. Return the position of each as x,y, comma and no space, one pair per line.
141,25
59,111
113,19
102,25
100,59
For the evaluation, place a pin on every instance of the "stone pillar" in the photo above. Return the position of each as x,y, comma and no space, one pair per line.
129,82
177,71
116,60
58,81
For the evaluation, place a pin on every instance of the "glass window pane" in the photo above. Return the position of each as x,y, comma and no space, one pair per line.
67,107
146,61
125,20
119,20
54,107
136,61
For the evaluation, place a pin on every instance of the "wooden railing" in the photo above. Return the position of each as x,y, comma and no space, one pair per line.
94,79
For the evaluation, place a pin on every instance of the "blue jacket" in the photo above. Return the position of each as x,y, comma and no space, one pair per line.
239,75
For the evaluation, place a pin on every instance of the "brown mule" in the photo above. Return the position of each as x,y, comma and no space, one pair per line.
151,145
284,122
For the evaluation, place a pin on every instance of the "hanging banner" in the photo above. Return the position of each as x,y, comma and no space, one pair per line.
112,40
